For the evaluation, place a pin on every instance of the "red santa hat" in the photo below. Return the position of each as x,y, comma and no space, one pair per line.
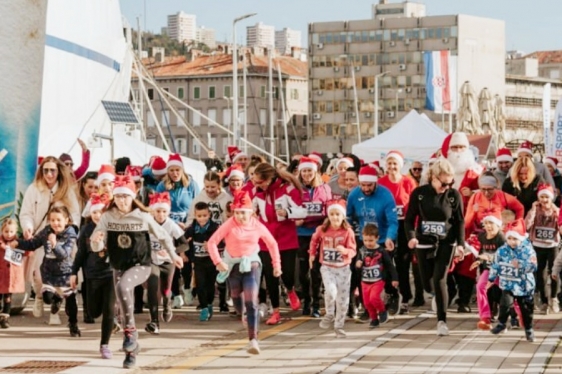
473,245
516,229
158,166
106,172
135,172
339,205
124,185
504,154
98,202
376,165
307,163
317,157
434,157
494,219
545,189
398,156
346,160
160,201
454,139
242,201
234,153
368,174
174,160
525,147
552,161
234,171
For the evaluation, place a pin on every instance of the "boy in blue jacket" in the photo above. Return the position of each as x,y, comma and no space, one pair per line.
514,264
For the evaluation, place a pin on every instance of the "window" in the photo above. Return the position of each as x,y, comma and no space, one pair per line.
212,143
263,117
262,92
180,92
196,119
212,114
226,91
227,117
211,92
196,147
241,91
165,118
166,89
151,93
225,143
196,93
149,119
181,113
151,141
181,145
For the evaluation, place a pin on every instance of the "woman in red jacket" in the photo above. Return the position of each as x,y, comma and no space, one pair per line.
401,188
316,195
277,197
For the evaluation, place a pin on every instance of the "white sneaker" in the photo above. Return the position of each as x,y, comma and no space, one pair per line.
434,305
54,319
262,310
555,305
38,307
177,303
187,297
442,329
229,302
253,347
340,333
327,322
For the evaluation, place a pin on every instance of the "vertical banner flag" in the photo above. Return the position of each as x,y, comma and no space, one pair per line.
440,81
546,119
22,33
557,143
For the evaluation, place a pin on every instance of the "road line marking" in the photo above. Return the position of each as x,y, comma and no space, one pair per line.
538,363
213,354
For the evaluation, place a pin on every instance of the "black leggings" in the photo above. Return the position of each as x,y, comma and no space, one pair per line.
186,273
309,277
526,304
434,274
288,264
101,301
70,306
159,275
403,259
205,278
545,260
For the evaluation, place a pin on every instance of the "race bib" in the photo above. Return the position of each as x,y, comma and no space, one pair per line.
200,250
332,256
313,209
178,217
14,256
371,273
508,271
545,233
156,245
400,211
433,228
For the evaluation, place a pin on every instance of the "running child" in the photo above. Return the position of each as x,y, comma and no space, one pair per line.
241,263
123,229
374,264
334,243
514,264
12,275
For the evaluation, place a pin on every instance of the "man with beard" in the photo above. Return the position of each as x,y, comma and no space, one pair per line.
504,161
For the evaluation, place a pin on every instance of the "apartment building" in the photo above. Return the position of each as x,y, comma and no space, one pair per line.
391,47
260,35
204,81
286,39
206,36
182,27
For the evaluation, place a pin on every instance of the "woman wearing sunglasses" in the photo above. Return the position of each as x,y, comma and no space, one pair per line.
53,186
523,182
434,226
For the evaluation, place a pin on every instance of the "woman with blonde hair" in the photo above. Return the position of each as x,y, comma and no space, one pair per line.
523,182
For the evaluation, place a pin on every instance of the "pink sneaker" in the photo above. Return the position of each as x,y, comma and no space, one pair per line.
294,300
105,352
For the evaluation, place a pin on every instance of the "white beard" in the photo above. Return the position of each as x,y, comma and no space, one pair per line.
461,162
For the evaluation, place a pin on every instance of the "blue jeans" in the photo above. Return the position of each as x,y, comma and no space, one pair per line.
247,285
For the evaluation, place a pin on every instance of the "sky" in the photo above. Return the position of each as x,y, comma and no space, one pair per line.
531,25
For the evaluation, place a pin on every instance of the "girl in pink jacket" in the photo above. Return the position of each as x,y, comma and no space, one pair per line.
241,263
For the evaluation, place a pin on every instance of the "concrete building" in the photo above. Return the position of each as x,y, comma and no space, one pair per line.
527,67
550,63
363,49
204,81
395,10
182,27
260,35
207,37
287,39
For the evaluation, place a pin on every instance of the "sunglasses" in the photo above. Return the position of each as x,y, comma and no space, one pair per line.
69,163
417,169
490,189
49,171
446,185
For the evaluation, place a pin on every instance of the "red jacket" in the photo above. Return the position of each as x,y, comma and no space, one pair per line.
401,192
325,243
470,180
479,207
279,194
316,204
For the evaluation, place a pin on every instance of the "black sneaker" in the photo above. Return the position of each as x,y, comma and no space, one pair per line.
131,358
315,313
130,340
374,323
89,320
74,330
383,317
55,306
392,306
4,324
223,308
306,311
515,323
152,328
404,309
530,335
463,309
418,302
500,327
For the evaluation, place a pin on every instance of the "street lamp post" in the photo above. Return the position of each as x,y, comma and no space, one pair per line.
228,125
376,114
235,127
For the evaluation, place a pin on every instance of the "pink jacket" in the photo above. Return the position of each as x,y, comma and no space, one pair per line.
316,205
280,194
242,241
83,168
325,244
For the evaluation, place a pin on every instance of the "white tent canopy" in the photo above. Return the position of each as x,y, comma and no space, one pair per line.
415,136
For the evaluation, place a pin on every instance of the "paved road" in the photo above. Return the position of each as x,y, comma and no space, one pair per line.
407,344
